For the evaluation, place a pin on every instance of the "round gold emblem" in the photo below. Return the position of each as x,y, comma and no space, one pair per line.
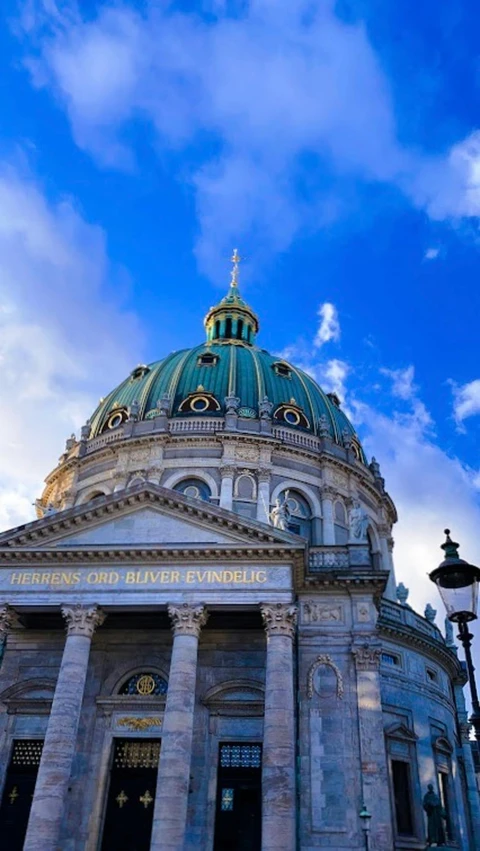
146,684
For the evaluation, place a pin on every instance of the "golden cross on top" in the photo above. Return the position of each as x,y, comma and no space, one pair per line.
235,258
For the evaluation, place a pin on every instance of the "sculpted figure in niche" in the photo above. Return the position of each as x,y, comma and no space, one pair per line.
435,818
359,521
280,514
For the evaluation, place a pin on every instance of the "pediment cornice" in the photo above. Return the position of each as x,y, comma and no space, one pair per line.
38,533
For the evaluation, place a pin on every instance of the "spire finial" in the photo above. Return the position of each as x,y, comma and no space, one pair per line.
235,258
450,548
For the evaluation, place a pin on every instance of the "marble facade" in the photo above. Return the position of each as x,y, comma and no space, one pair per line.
255,647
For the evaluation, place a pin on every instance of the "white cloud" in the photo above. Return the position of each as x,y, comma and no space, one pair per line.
329,328
432,253
402,381
466,400
282,81
431,489
64,338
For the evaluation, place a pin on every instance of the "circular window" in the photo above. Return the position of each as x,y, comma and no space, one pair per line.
199,404
115,420
291,416
146,684
192,490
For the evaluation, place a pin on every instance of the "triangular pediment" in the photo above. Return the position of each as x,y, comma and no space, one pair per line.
146,515
399,730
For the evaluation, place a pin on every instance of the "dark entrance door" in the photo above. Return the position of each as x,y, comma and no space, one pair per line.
133,780
18,792
238,823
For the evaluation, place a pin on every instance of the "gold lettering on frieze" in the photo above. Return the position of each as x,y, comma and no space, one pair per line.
144,576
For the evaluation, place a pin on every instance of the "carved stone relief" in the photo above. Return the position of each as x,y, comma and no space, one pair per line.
314,682
321,613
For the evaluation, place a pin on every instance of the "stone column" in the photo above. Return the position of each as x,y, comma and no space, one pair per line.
263,496
373,758
171,799
327,512
278,763
49,799
226,488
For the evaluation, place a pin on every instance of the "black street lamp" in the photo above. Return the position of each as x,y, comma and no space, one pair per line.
457,582
365,817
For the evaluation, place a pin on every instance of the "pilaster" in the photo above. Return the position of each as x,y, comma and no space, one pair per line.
374,772
278,768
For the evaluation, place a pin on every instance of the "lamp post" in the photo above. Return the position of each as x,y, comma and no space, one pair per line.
457,582
365,817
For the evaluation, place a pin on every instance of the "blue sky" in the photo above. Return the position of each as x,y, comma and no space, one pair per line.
336,144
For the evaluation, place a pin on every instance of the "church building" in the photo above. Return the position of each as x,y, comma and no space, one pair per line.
204,646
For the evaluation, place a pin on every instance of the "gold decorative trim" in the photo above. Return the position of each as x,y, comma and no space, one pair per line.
139,724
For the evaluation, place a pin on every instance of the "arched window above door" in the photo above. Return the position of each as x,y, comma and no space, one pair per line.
144,684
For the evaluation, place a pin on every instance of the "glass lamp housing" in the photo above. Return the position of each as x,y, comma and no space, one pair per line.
457,583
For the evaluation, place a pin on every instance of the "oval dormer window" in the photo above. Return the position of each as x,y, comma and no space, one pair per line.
291,414
201,402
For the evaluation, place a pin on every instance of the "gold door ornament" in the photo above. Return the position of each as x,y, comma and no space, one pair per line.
139,724
13,795
121,799
146,799
146,684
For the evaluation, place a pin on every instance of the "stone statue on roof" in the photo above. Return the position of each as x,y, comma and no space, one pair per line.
359,521
279,516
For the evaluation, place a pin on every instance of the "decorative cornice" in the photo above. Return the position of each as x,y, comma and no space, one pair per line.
108,555
68,521
320,661
279,619
367,657
405,635
187,438
82,620
187,620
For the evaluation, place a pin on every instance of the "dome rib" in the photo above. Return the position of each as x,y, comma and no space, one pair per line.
313,415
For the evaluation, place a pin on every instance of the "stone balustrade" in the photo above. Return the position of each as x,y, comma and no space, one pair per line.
324,558
394,614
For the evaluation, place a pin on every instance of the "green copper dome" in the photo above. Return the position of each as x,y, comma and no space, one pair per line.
227,374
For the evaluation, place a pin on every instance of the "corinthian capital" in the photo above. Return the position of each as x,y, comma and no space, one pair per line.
328,492
279,619
187,620
82,620
227,471
367,657
8,619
